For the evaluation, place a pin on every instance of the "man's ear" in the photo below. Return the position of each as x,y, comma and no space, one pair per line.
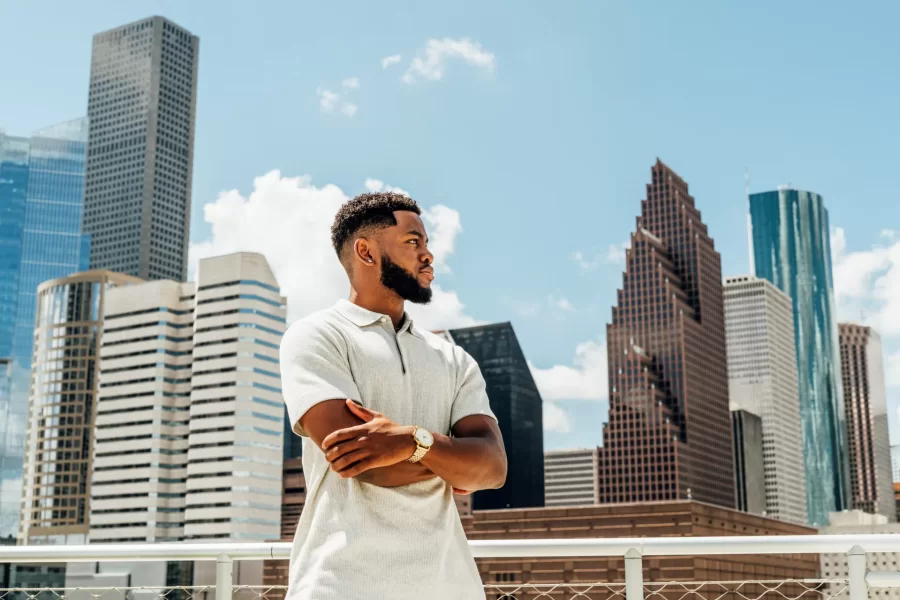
363,251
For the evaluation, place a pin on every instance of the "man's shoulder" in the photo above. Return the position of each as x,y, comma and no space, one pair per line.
320,324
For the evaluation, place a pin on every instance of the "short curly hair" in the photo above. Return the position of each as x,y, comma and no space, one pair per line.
367,211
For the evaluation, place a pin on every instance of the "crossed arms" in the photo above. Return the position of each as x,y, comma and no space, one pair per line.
369,447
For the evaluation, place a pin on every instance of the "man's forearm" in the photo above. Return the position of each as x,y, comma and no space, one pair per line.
396,475
467,463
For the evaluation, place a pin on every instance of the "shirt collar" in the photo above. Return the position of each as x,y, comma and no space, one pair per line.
363,317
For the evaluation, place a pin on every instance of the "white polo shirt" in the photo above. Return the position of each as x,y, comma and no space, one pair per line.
357,540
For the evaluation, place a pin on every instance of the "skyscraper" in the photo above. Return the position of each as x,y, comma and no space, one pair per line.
191,372
41,202
58,447
865,406
669,431
791,248
516,402
762,379
141,105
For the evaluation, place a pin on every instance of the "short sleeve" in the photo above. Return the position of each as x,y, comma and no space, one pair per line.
471,396
315,367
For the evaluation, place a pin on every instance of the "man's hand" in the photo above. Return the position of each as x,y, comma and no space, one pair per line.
378,442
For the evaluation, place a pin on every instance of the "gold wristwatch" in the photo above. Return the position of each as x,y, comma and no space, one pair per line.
424,440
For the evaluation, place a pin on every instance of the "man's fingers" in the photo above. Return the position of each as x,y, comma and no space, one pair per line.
358,468
366,414
348,460
342,435
339,450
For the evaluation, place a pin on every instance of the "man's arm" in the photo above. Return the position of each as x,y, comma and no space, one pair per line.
473,459
326,417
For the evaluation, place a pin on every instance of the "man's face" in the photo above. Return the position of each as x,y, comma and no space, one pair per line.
405,260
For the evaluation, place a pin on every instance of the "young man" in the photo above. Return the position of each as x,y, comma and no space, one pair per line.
395,420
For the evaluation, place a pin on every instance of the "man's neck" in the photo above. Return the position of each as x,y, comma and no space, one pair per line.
388,303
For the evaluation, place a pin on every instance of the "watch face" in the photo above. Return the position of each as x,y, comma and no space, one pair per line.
424,437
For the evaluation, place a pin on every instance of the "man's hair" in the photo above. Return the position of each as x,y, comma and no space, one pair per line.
365,212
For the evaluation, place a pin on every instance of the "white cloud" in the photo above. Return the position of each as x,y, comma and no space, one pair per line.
288,220
616,254
583,262
351,83
868,281
376,185
331,102
556,419
586,380
431,61
328,100
560,303
387,61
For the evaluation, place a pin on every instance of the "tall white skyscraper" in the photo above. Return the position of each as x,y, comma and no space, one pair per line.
762,379
189,429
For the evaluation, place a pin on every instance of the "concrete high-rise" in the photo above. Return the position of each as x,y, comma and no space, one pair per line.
191,371
762,379
570,477
58,445
792,249
141,106
669,431
516,402
41,195
865,407
749,475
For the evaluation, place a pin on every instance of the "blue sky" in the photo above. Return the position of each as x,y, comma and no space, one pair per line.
540,152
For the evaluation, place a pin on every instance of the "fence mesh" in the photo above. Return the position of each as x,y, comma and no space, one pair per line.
805,589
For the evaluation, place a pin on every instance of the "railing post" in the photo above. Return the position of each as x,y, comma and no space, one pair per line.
225,579
634,576
856,563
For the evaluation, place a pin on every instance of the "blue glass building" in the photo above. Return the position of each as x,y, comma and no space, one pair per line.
41,203
792,249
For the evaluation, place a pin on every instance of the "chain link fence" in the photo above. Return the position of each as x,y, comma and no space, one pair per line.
806,589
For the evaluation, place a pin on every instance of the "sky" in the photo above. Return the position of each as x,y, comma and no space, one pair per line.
527,131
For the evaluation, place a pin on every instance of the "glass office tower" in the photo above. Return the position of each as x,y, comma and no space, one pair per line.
41,194
791,248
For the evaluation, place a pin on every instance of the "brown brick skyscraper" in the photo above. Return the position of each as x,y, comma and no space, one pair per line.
669,429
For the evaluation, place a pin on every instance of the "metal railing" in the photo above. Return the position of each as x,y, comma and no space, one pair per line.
633,550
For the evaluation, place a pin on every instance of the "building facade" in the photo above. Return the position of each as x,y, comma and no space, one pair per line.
669,431
762,379
834,566
895,463
192,371
570,478
651,519
865,407
141,105
516,402
792,249
56,487
749,473
41,199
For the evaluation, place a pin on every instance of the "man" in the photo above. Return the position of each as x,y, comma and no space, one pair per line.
395,420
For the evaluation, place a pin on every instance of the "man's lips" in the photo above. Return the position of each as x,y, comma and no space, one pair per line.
429,273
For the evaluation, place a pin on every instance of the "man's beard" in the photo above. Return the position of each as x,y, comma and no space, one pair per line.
402,282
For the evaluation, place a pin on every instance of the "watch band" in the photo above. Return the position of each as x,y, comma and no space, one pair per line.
418,454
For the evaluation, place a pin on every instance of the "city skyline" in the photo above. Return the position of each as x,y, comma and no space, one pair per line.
559,311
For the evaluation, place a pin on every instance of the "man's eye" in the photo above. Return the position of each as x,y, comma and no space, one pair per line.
416,242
